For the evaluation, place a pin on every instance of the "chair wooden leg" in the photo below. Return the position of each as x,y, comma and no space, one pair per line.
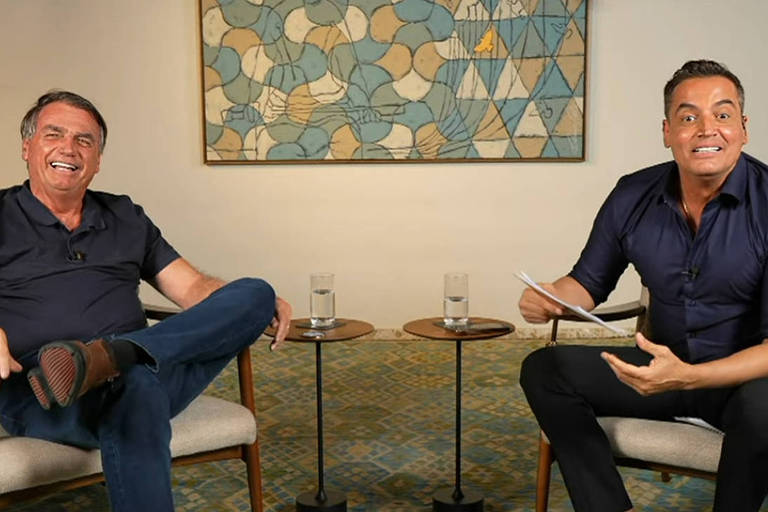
253,467
543,475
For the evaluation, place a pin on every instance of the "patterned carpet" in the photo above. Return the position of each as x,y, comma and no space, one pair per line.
389,427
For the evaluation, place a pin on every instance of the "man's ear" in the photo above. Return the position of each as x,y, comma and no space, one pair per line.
744,120
665,131
25,150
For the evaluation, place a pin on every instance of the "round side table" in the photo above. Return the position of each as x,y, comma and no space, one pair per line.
447,499
345,329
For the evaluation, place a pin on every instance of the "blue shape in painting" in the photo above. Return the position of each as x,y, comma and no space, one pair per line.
286,151
511,111
452,127
552,83
369,51
415,115
510,30
490,71
313,62
552,31
242,118
269,26
227,64
414,11
285,77
315,142
369,77
549,150
240,13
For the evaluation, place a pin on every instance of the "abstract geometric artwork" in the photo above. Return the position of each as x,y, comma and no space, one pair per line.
292,81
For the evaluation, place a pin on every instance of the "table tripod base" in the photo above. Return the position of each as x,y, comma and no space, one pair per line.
442,501
334,502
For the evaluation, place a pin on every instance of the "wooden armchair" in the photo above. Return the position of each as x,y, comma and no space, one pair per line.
209,429
664,446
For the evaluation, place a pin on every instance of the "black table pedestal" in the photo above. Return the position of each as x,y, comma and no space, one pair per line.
334,502
444,500
321,500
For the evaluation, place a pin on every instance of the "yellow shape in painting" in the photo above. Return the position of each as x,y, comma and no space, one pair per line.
326,37
255,63
385,24
343,143
485,44
241,39
214,27
211,78
491,46
399,141
426,60
297,25
216,106
412,86
571,120
429,140
355,24
229,144
301,104
328,88
397,61
530,147
492,126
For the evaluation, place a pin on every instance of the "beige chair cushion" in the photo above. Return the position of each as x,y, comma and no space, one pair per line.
207,424
665,442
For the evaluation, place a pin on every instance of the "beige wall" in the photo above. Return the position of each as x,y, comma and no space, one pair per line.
389,232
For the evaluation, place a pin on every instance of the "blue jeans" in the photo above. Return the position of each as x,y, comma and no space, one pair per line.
129,418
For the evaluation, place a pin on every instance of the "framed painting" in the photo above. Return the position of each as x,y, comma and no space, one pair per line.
323,81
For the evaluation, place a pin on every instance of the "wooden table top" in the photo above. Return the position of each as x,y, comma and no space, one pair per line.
347,330
431,328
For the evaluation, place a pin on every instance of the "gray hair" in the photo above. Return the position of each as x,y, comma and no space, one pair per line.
29,123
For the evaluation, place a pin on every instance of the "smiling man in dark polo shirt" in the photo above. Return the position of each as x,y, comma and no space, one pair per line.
696,230
78,363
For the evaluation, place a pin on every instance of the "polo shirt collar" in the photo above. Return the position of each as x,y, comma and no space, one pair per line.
92,211
734,188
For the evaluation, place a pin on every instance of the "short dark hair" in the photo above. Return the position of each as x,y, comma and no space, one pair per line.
29,123
700,69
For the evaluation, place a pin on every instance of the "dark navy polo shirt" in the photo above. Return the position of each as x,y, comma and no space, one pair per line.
61,284
709,292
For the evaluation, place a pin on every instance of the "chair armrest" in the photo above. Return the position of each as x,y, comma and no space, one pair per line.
611,313
154,312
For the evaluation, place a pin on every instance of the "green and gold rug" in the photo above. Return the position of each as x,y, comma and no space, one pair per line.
389,434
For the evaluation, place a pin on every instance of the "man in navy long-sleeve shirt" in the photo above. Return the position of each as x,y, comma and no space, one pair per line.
696,230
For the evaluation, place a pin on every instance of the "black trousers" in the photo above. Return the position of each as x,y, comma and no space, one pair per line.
567,387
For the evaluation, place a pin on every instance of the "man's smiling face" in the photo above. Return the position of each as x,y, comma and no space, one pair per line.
705,127
63,155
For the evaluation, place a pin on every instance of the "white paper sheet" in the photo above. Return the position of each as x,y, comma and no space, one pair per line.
578,310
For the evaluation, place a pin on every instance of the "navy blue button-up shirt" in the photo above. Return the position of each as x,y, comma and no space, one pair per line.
81,284
709,291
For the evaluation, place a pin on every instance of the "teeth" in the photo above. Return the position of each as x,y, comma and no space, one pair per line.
710,149
64,165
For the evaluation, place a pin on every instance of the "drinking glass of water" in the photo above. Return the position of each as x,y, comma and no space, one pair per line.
456,299
322,300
